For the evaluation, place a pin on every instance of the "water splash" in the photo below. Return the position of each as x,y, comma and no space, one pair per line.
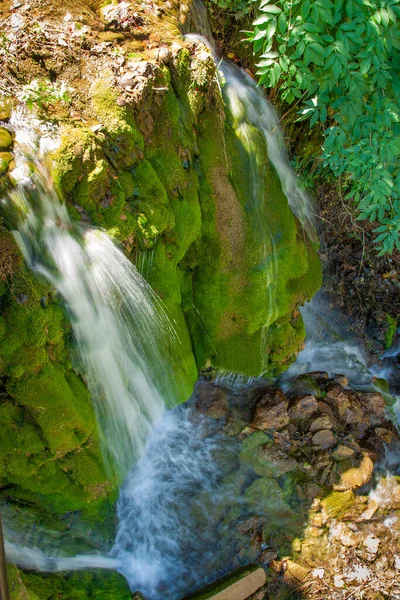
35,559
171,535
250,107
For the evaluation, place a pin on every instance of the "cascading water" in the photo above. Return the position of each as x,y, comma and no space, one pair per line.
121,331
250,108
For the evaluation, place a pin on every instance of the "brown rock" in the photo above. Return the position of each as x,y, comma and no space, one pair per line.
303,408
370,511
271,412
341,380
238,586
295,573
343,453
384,434
212,400
312,490
324,439
376,406
323,422
356,476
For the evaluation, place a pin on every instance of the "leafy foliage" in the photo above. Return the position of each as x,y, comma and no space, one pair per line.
234,5
41,93
341,59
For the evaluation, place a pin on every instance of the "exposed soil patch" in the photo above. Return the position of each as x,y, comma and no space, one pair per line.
363,285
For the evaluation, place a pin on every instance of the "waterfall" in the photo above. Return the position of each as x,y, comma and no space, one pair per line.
120,328
250,107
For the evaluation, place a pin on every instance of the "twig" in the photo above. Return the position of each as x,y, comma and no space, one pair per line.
288,111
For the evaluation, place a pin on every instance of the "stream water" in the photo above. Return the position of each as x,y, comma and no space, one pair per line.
170,538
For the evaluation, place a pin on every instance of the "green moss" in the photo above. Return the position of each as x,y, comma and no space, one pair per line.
336,504
5,138
73,156
116,119
390,331
99,584
64,417
17,588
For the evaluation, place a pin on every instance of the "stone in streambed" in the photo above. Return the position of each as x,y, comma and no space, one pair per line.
211,400
303,408
356,477
271,412
343,453
324,439
238,586
323,422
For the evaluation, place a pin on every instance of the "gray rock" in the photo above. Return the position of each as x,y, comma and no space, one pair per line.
324,439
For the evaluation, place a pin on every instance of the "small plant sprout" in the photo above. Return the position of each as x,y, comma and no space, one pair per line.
42,93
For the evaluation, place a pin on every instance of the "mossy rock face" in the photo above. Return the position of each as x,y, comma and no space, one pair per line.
90,584
168,175
50,451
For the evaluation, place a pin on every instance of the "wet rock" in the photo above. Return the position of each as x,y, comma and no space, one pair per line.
211,401
277,462
271,412
238,586
324,439
343,453
22,298
385,435
312,490
341,380
356,477
303,408
5,138
323,422
376,406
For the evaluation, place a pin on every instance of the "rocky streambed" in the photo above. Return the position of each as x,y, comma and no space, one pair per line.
321,497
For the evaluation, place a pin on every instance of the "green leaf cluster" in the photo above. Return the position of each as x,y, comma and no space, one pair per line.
340,60
41,93
235,6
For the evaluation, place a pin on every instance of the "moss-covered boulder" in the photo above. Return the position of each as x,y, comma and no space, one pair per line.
165,171
91,584
50,453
